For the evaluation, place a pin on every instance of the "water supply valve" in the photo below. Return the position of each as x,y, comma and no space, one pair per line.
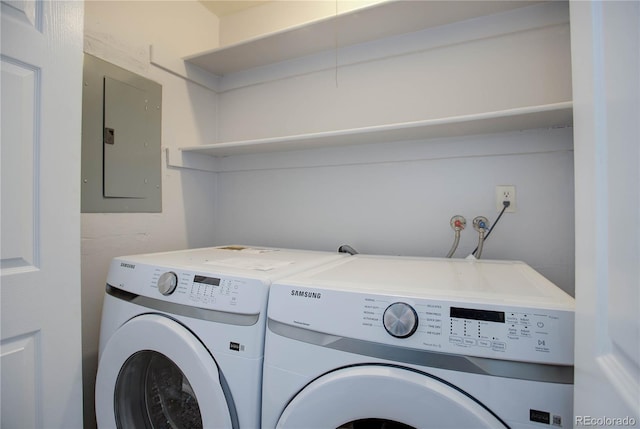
457,223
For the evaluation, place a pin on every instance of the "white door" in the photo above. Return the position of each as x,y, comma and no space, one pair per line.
605,45
40,225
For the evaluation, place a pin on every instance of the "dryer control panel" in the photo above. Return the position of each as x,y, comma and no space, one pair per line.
484,329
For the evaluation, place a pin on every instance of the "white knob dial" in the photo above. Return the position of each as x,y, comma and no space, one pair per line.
400,320
167,283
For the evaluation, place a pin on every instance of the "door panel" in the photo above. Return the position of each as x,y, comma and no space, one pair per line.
19,190
19,366
41,83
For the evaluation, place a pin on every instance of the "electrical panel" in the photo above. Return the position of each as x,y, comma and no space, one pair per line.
121,137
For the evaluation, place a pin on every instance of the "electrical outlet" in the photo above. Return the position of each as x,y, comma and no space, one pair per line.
506,193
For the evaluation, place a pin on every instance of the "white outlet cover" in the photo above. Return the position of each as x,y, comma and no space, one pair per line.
506,192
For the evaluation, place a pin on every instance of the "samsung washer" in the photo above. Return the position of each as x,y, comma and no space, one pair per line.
182,336
391,342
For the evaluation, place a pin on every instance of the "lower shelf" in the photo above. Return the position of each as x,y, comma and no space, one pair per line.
556,115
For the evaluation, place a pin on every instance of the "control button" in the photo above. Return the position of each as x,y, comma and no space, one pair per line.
455,340
167,283
484,343
499,346
540,324
469,342
400,320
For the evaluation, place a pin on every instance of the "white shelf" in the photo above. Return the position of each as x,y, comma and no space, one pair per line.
375,22
556,115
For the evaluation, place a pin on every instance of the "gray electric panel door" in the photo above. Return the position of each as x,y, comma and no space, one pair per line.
121,152
126,170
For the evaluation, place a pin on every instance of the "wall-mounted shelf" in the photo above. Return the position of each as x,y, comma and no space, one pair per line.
375,22
379,22
556,115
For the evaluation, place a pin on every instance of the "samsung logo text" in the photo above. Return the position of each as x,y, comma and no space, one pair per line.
305,294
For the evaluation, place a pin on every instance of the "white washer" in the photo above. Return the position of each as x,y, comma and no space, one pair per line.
391,342
182,336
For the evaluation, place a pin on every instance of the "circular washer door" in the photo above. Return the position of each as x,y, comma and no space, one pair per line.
376,396
154,373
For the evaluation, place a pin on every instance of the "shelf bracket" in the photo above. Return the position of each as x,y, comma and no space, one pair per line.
183,69
177,158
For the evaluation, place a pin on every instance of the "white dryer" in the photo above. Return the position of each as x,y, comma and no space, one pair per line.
391,342
182,336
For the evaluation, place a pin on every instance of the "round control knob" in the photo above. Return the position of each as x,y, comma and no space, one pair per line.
400,320
167,283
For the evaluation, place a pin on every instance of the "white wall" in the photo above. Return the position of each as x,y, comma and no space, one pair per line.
121,32
397,198
403,206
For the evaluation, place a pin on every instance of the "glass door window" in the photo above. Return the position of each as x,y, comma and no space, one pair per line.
152,392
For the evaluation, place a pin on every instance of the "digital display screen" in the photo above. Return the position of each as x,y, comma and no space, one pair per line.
206,280
484,315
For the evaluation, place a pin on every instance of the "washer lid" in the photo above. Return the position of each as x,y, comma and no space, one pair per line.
396,396
153,368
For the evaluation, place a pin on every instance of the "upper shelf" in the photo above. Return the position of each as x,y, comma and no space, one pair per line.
546,116
382,20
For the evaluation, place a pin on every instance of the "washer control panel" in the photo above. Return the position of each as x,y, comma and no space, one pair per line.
209,290
483,328
196,289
